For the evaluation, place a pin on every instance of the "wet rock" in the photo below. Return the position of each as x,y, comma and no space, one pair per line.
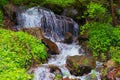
82,38
110,70
110,64
56,71
36,31
52,47
70,11
68,38
9,12
79,65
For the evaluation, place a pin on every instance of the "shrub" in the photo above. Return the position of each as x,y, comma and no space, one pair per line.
95,10
115,53
104,40
17,50
100,38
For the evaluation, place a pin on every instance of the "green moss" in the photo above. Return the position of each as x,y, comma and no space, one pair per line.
17,50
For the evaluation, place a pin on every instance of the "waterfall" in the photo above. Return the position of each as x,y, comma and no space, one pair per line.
54,26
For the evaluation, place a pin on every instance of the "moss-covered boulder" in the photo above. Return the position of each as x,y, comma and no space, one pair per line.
79,65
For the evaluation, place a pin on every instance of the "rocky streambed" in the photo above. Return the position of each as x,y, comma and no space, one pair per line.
67,60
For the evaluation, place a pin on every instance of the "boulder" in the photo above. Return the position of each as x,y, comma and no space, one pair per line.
82,38
56,71
70,11
79,65
68,38
9,20
52,47
37,32
110,70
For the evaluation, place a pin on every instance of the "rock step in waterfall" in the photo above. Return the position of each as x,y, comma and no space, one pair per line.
53,26
56,28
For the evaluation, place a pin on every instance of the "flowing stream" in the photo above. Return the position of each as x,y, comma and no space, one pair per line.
54,27
43,72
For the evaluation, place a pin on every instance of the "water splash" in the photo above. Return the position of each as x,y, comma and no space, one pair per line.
60,61
54,26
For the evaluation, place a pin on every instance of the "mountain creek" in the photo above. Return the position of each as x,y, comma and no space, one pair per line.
67,59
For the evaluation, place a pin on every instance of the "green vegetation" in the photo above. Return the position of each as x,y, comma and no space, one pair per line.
31,3
104,38
95,10
1,18
62,3
3,2
99,18
18,51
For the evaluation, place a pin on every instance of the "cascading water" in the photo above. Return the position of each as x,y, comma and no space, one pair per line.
54,27
43,72
59,61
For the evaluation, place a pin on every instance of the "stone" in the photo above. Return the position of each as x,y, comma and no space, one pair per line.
70,11
110,70
52,47
56,71
110,64
68,38
9,20
80,65
37,32
82,38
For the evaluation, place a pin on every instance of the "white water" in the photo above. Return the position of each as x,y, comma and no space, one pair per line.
54,27
43,72
51,24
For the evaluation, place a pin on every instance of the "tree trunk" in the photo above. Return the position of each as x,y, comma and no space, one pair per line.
113,13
